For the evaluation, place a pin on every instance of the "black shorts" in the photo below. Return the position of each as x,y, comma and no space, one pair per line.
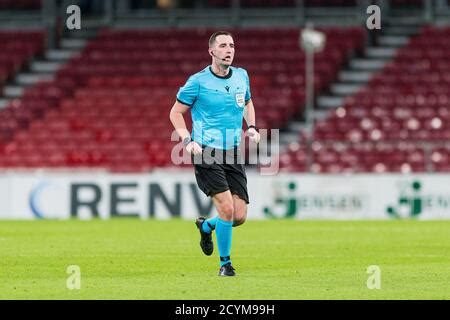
218,170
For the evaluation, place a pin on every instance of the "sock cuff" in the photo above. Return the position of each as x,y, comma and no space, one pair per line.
228,223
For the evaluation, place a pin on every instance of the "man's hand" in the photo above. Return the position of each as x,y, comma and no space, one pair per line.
253,135
194,148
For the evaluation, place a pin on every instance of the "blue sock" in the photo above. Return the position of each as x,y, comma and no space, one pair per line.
209,224
224,230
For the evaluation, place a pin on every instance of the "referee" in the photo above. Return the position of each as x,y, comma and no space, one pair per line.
219,98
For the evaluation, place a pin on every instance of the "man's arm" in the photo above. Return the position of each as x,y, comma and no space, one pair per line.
250,118
177,119
249,114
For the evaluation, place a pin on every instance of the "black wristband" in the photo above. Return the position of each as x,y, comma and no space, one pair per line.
186,141
254,127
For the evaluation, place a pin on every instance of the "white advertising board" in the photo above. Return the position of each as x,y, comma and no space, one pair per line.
167,194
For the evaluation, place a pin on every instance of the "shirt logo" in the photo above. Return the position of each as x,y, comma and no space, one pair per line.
227,88
240,99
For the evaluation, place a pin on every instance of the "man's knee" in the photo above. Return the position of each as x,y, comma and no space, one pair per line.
227,210
238,222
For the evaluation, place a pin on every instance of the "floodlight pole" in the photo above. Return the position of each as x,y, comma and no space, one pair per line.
312,41
309,116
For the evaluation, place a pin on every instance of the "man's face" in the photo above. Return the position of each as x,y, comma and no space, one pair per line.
223,50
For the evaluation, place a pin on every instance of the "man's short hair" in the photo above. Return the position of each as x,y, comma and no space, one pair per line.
213,37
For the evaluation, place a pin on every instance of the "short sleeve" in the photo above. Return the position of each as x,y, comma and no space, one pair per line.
188,93
248,94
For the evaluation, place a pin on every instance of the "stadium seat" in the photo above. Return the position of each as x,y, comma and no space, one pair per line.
407,102
114,98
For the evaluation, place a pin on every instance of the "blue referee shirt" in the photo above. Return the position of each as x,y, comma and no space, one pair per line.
217,106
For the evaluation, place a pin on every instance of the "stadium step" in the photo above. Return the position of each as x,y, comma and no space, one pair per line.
26,79
399,30
3,102
86,32
393,41
11,91
354,76
59,55
413,19
45,66
289,137
381,52
367,64
76,44
345,89
320,114
45,69
361,69
296,126
295,130
328,102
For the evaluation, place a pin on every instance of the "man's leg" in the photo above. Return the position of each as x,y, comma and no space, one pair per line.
211,180
210,224
224,230
239,217
240,211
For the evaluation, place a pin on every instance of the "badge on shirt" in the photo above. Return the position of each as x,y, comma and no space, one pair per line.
240,99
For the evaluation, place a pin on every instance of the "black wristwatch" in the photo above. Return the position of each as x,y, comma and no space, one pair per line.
186,141
254,127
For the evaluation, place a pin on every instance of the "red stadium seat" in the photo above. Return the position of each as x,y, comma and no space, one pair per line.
105,107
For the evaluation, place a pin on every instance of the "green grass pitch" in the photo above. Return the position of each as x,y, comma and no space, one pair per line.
274,259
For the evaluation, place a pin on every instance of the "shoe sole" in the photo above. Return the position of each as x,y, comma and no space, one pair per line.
198,225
